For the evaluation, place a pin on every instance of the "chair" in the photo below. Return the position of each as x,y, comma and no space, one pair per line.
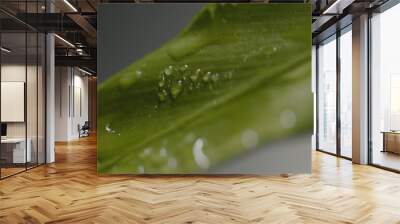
84,130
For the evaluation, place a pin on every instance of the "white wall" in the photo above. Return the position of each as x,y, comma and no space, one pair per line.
70,83
14,72
62,82
17,73
34,125
80,100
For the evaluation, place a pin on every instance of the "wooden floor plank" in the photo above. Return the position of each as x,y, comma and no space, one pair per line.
70,191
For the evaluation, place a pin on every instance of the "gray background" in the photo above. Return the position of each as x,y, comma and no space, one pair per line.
127,32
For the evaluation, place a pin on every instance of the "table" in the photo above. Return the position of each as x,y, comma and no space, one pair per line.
391,141
13,150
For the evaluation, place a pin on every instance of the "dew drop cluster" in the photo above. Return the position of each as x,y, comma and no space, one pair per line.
175,80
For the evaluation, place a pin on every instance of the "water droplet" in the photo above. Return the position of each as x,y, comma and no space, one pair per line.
184,67
161,82
168,71
189,138
288,119
126,81
198,71
109,129
164,141
249,139
215,77
206,77
140,169
199,156
194,77
245,57
176,88
147,151
230,74
163,152
190,86
138,74
172,163
174,81
162,95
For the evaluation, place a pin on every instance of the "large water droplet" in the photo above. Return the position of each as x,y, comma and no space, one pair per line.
249,139
199,157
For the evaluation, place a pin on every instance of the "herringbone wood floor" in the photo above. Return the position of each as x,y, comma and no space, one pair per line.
70,191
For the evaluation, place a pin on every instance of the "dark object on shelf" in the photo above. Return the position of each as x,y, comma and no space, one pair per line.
84,130
391,141
3,129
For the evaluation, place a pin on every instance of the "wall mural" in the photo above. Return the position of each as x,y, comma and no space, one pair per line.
234,81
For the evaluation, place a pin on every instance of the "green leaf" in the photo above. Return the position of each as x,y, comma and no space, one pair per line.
235,78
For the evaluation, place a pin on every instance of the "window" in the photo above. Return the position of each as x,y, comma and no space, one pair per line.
22,78
385,89
346,92
327,95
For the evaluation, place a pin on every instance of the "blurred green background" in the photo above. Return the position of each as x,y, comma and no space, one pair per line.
237,77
